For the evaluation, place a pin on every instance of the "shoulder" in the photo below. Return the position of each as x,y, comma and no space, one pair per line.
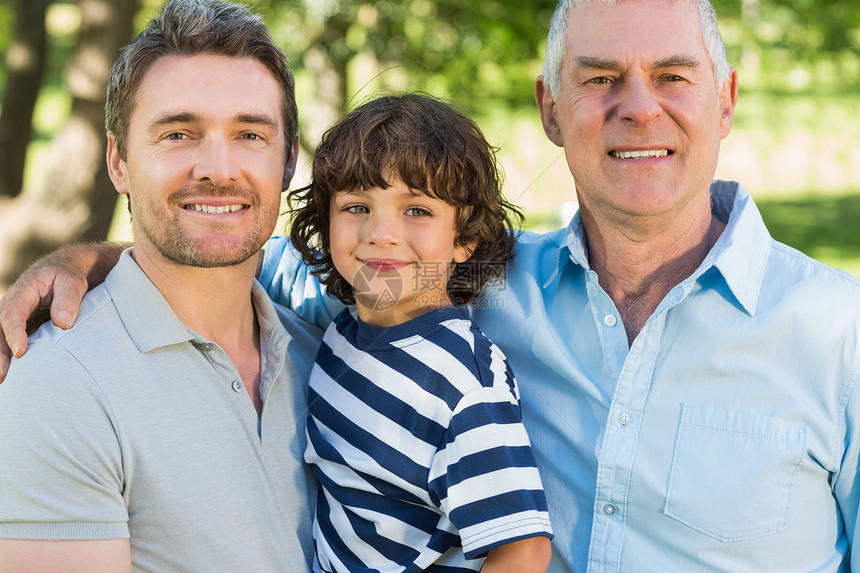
552,239
76,366
788,271
57,353
51,387
96,309
485,359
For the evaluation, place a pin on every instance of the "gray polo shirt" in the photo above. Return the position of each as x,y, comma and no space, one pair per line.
131,425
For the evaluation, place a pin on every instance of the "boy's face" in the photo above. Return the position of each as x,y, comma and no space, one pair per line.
396,248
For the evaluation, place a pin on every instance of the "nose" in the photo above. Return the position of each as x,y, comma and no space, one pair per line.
382,228
216,162
638,101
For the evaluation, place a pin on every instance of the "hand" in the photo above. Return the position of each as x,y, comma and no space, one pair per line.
57,282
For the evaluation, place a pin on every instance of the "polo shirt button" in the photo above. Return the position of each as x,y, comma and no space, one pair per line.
609,509
623,418
609,320
237,386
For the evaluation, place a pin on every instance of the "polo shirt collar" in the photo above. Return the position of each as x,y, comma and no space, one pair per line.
740,254
144,312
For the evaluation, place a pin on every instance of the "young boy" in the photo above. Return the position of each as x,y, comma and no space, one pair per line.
415,431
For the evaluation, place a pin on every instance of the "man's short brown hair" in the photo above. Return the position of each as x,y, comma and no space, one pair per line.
190,28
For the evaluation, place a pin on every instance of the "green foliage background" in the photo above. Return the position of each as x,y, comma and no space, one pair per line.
795,144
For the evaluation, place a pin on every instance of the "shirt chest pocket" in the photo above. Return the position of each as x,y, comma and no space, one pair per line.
732,472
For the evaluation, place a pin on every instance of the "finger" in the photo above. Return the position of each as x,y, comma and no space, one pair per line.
66,302
14,310
5,353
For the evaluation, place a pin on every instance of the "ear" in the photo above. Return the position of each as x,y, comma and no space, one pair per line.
290,165
728,100
546,107
117,167
463,253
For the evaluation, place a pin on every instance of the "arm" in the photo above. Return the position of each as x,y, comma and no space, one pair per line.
523,556
108,556
846,482
289,282
59,281
61,474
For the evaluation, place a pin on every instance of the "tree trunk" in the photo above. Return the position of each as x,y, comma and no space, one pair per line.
25,63
73,200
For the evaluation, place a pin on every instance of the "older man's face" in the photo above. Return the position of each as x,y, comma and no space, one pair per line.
639,113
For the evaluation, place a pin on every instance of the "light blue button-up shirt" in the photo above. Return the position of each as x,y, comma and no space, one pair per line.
725,438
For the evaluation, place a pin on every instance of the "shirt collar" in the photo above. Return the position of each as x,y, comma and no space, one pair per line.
144,312
739,254
573,248
150,321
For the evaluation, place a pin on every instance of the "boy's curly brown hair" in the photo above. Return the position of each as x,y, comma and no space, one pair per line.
434,149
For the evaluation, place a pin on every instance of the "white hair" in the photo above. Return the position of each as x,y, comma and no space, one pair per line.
556,45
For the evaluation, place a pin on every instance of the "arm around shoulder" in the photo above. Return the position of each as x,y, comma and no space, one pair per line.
59,281
531,555
103,555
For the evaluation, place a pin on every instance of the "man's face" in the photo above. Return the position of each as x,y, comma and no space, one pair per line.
639,113
205,161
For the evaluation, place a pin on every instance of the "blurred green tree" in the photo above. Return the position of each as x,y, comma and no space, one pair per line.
471,50
74,199
482,54
25,64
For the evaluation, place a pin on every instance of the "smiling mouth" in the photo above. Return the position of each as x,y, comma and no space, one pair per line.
384,265
215,209
643,154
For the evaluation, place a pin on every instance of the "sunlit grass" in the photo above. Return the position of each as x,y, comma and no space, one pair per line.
825,227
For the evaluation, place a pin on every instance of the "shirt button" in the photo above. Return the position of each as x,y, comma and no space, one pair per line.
609,509
623,417
609,320
237,386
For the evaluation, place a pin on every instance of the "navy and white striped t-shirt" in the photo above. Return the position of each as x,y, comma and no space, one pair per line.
416,438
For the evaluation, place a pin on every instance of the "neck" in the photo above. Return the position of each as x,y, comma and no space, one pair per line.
216,304
637,267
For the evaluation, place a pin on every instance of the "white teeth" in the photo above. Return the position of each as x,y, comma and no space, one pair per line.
213,209
640,154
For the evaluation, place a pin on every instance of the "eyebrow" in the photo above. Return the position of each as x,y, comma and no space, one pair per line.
192,117
593,63
171,117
